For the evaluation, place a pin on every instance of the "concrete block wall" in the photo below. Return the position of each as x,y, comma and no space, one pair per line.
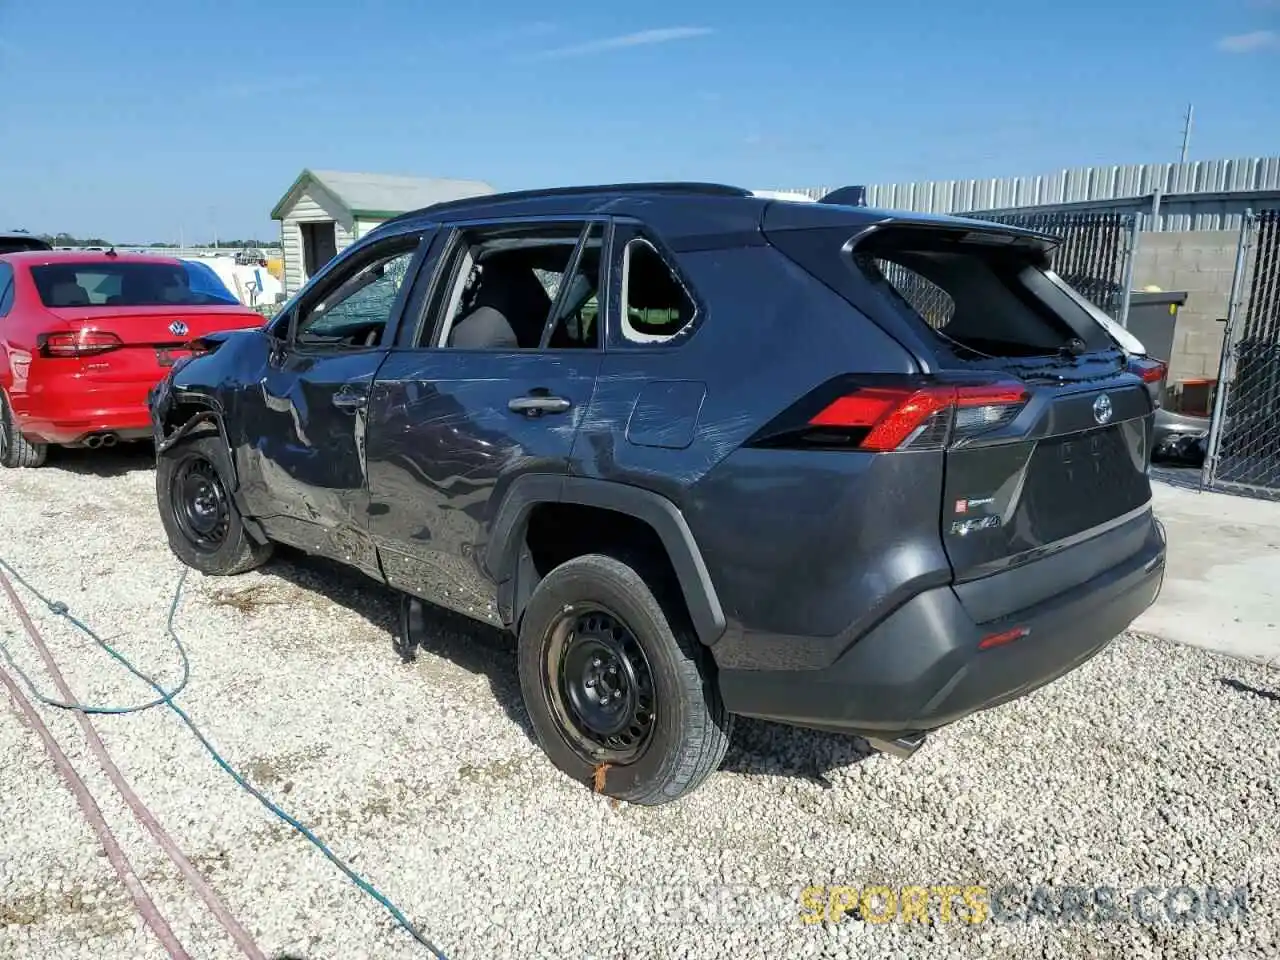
1199,262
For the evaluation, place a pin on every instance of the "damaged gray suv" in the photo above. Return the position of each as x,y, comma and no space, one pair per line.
706,454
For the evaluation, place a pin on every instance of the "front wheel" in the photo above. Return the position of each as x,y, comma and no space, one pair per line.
200,518
615,684
15,449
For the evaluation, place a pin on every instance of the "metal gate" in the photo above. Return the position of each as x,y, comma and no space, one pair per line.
1244,441
1095,256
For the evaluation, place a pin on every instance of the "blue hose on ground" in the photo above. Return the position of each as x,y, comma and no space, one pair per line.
60,608
166,698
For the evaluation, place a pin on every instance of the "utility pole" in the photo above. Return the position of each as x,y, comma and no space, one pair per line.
1186,130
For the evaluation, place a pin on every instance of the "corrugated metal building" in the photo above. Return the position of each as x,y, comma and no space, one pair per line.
325,211
1197,195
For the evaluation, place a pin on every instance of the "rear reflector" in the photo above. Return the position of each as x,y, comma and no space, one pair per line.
1000,639
896,417
77,343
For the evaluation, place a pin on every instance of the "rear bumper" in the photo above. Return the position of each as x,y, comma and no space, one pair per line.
69,409
126,423
921,667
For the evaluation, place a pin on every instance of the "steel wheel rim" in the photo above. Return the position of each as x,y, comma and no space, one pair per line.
600,685
200,504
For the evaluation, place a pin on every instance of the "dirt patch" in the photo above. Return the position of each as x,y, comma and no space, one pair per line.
94,911
248,600
279,771
495,771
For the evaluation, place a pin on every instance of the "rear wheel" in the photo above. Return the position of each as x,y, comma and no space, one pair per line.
200,518
15,449
615,683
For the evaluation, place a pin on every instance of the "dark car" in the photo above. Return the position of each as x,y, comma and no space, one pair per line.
15,241
1179,438
706,454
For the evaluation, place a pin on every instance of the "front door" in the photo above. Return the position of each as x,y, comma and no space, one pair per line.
492,385
306,462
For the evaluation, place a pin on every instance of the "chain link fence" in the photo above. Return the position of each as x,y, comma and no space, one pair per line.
1095,255
1244,441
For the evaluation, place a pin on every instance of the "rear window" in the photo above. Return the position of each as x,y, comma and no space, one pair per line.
12,244
980,299
106,284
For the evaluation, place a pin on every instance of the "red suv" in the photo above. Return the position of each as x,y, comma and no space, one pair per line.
84,337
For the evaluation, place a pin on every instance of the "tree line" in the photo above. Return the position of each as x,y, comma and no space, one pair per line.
68,240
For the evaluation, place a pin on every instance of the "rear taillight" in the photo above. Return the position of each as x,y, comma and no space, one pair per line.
1151,372
77,343
884,418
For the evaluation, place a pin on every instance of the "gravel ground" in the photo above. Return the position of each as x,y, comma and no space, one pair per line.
1153,766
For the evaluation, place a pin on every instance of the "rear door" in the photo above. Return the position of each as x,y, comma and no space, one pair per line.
1061,462
303,426
491,384
1071,464
1045,421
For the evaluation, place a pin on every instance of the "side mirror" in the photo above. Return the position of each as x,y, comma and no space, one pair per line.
278,334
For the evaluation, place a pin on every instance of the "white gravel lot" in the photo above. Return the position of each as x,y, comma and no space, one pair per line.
1153,766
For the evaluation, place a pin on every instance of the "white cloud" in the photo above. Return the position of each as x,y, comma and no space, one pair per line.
641,38
1250,42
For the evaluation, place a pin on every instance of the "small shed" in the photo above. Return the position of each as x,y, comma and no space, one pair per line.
327,210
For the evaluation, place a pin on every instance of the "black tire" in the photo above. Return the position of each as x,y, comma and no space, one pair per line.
684,729
15,449
194,471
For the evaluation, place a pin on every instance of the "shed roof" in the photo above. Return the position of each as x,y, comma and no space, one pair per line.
380,195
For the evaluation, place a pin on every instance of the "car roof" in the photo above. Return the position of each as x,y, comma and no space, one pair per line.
680,211
37,258
688,216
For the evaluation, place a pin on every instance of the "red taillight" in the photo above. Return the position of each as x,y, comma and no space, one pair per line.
77,343
862,409
1000,639
1151,371
896,417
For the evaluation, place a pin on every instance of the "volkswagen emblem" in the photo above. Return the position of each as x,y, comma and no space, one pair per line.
1102,408
179,329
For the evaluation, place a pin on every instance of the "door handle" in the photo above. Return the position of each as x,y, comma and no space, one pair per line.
536,406
350,400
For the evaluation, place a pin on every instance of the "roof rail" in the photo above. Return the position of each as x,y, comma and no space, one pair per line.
675,187
852,196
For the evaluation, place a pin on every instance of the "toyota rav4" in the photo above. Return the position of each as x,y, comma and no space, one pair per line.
706,454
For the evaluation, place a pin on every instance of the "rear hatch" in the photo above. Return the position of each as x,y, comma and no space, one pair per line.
1045,422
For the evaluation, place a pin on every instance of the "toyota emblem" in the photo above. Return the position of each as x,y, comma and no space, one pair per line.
179,329
1102,408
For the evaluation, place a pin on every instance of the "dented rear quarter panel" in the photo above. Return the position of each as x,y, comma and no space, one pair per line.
804,548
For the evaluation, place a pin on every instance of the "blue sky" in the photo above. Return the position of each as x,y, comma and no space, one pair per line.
137,120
